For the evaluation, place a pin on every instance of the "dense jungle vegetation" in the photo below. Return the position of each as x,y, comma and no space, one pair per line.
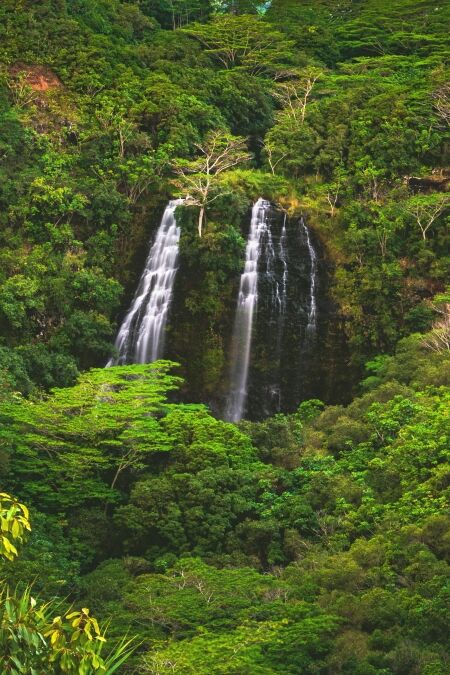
313,542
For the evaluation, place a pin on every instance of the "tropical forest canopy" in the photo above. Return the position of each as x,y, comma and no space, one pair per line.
317,540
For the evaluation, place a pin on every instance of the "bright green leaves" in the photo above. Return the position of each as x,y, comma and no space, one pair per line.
351,499
253,647
20,295
30,640
245,42
199,500
14,525
92,433
222,620
404,27
76,630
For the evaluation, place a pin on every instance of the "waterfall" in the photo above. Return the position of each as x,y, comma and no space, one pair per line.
279,313
141,336
284,262
312,305
267,252
246,307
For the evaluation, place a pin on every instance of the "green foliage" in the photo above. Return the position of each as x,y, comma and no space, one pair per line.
14,518
316,542
94,433
244,42
295,538
199,180
30,639
89,139
197,503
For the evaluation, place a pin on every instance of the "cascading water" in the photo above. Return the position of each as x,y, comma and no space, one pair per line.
277,276
274,358
312,308
284,262
141,336
246,306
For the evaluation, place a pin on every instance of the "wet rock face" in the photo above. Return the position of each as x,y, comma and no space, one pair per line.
293,356
297,353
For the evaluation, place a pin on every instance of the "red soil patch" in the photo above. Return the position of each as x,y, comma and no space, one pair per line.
39,78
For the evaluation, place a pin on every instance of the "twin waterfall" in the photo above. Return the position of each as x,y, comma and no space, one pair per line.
276,313
141,335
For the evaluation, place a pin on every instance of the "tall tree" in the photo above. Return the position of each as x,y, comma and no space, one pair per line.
294,91
426,209
83,438
245,42
199,179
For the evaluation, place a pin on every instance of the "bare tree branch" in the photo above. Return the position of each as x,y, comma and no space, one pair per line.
198,177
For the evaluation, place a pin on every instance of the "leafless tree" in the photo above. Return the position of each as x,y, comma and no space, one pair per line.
295,91
441,100
426,210
198,179
438,339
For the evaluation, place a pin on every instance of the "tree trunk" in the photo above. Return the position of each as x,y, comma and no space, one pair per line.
201,216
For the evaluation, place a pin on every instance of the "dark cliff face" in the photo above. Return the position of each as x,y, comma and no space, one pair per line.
291,360
202,309
289,363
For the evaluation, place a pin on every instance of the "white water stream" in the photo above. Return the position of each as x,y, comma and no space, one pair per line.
312,308
246,309
141,336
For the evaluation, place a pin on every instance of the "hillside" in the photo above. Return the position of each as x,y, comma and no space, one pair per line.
241,208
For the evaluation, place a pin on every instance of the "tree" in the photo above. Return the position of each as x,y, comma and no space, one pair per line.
441,100
295,91
111,116
438,339
252,646
199,495
332,191
199,179
426,209
270,149
92,432
245,42
311,24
